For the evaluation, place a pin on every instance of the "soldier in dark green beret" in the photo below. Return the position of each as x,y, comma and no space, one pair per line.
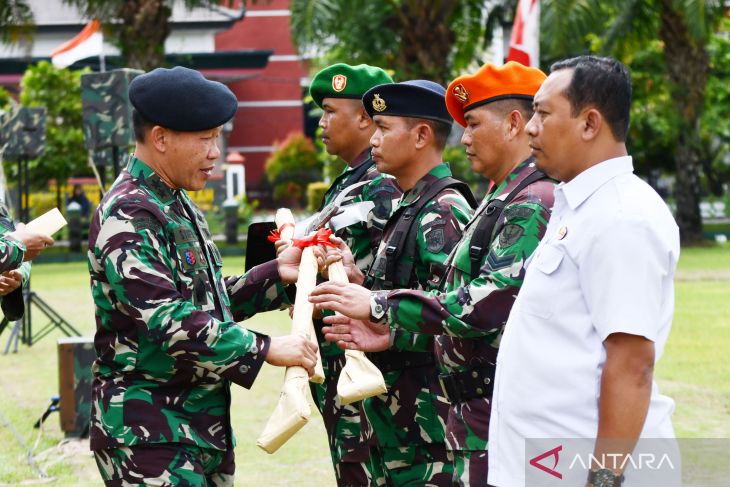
346,131
167,343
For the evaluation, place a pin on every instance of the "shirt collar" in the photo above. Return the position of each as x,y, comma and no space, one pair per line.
577,190
139,170
517,174
363,157
438,172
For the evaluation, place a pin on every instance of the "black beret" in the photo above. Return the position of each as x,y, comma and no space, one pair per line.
416,99
182,99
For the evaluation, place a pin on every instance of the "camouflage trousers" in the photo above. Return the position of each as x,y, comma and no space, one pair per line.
423,465
342,423
470,467
166,465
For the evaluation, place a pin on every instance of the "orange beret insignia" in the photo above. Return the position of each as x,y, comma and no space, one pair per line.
460,93
378,103
339,81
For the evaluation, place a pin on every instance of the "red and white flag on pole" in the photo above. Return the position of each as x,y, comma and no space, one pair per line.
89,42
524,46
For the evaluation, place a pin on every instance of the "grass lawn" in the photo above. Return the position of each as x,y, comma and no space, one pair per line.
695,371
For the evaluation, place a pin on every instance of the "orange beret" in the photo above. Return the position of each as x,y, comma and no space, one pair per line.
491,83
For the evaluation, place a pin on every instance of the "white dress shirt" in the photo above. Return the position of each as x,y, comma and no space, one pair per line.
606,265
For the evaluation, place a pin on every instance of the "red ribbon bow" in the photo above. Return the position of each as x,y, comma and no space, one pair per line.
321,237
275,235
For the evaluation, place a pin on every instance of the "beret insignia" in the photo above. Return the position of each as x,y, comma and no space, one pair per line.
460,93
378,103
339,81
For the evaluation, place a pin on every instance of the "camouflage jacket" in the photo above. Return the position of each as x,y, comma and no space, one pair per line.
469,315
166,341
12,251
414,410
11,257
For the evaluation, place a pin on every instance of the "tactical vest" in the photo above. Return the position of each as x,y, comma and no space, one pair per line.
401,249
484,232
477,382
354,177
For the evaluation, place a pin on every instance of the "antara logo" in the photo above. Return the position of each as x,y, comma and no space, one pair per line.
554,453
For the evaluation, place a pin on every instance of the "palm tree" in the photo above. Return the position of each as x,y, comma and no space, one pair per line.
618,28
16,19
429,39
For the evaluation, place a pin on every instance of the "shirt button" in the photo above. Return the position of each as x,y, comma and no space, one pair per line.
480,391
254,349
487,380
243,369
378,309
474,374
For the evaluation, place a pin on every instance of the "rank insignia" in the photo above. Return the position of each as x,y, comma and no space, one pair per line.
435,240
190,257
460,93
339,81
378,103
562,233
510,234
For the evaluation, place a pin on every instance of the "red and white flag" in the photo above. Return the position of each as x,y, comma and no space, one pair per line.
524,46
89,42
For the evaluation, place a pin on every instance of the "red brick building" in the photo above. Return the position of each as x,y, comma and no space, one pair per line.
270,100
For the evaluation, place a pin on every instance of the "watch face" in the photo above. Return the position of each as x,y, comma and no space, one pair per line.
604,478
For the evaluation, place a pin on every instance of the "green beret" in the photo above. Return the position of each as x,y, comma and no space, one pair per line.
345,81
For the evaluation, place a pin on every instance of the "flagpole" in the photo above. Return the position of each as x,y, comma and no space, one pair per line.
102,59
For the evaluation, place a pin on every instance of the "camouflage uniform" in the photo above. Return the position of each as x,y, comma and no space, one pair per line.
406,426
167,343
11,257
349,453
468,316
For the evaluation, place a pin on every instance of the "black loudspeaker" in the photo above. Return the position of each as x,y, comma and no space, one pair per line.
24,132
107,112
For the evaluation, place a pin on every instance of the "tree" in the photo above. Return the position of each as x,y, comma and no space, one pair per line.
715,124
623,27
431,39
16,20
138,27
59,90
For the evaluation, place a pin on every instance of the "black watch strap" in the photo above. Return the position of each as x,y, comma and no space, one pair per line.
604,478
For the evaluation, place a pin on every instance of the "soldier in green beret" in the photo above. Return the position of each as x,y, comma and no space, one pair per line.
346,131
167,343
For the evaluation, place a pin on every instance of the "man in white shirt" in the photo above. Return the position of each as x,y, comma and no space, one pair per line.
595,309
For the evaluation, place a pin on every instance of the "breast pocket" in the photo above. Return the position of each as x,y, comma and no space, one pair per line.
543,270
194,275
217,261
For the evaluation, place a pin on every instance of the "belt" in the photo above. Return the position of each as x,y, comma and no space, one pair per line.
389,361
469,384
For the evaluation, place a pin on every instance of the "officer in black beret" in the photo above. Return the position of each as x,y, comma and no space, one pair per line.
168,346
405,426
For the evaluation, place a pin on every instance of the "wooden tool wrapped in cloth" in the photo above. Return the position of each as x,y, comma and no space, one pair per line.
293,410
359,378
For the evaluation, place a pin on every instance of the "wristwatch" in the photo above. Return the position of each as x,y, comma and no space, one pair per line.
377,311
604,478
